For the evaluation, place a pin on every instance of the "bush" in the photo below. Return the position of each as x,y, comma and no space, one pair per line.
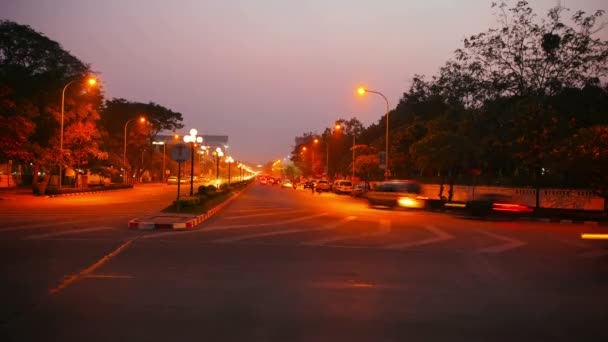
187,202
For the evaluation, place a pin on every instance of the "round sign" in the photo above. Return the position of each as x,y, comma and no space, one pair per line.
180,153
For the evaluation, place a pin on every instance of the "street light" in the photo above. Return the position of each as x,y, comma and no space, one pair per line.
362,91
91,81
218,154
229,160
337,128
192,139
124,151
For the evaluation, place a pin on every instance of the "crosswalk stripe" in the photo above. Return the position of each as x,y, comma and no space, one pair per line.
329,226
263,214
440,236
383,229
510,243
43,225
66,232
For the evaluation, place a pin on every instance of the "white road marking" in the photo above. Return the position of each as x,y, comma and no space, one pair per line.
510,243
329,226
234,226
440,236
67,232
44,225
258,210
263,214
383,229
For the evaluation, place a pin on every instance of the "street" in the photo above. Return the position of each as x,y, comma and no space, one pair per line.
288,265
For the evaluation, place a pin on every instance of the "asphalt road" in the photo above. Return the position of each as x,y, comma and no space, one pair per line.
284,265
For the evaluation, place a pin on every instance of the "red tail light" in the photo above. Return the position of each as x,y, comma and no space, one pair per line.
515,208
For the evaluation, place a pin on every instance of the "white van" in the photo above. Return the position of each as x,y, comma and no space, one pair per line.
342,186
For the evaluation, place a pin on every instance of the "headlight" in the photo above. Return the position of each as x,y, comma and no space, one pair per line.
408,202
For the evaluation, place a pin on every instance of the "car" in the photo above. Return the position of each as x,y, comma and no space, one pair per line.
322,185
172,180
309,184
287,184
496,204
342,186
397,194
263,181
359,190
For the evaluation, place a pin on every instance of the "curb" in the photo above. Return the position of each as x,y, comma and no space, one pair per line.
151,225
566,221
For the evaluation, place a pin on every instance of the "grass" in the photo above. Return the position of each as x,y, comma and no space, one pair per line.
199,209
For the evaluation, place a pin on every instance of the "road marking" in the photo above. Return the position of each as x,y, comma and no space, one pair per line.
510,243
383,229
440,236
66,232
75,277
258,210
108,276
263,214
329,226
43,225
594,236
234,226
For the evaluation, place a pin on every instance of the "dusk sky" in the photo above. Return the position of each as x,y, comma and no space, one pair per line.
262,72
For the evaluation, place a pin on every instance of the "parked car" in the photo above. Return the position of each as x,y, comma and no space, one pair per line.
342,186
359,190
397,194
309,184
287,184
172,180
322,185
498,204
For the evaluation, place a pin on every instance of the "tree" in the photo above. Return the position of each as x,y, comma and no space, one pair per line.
524,57
33,72
116,113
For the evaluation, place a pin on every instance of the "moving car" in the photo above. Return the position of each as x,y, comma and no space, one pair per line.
359,190
309,184
397,194
499,204
287,184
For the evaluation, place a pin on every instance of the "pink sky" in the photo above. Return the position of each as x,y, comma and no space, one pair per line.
262,71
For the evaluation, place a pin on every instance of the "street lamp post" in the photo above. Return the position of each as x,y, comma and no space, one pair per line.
229,160
352,178
362,91
91,81
192,139
218,154
124,151
162,174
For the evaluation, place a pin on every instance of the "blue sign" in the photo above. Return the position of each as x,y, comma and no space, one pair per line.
382,157
180,153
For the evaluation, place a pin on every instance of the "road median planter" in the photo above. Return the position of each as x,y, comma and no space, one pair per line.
192,211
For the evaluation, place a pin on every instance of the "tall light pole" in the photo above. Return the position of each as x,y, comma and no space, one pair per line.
229,160
192,139
162,174
124,150
91,81
218,154
352,178
362,91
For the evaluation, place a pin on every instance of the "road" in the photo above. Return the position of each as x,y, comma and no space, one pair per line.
284,265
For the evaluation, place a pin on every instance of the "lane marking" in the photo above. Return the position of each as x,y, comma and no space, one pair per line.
440,236
234,226
258,210
510,243
43,225
262,214
108,276
75,277
588,236
67,232
383,229
329,226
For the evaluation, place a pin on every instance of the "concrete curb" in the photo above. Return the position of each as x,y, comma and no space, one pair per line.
142,224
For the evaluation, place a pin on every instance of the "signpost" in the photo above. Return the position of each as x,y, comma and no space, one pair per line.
180,153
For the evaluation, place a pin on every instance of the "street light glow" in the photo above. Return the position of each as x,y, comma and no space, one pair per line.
92,81
361,91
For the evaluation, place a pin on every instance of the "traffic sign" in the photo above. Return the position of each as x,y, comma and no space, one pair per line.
180,153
